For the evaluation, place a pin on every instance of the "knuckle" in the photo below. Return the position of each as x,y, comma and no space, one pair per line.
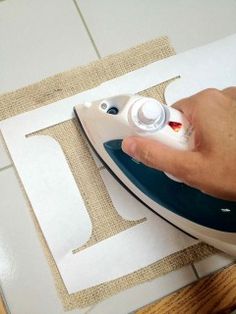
210,92
230,88
208,96
145,155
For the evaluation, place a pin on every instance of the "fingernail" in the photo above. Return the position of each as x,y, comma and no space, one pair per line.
129,146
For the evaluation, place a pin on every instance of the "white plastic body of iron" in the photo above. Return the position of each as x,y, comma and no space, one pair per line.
126,119
141,116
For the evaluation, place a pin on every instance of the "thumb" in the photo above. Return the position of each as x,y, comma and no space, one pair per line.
184,165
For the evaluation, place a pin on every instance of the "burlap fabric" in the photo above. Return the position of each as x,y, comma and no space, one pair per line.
106,222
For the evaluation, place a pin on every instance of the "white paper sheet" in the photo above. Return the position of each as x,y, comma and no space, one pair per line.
52,190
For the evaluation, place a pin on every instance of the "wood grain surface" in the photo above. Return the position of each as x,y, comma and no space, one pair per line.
2,307
213,294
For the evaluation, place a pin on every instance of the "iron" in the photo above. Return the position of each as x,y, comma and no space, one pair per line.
107,122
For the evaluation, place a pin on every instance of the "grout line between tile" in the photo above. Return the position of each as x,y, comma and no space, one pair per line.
6,167
217,270
195,271
168,294
91,308
87,29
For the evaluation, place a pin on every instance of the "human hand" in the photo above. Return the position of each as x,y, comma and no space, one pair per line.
211,165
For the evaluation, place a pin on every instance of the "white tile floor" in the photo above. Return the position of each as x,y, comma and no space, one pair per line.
117,25
39,39
213,263
24,271
4,158
42,38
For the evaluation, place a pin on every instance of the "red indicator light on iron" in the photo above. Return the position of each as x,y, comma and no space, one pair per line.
176,126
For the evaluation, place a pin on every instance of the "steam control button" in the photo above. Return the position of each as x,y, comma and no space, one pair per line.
150,112
147,114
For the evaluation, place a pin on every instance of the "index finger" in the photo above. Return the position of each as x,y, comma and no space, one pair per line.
230,92
186,106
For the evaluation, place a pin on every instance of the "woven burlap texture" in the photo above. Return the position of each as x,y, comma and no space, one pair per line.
84,169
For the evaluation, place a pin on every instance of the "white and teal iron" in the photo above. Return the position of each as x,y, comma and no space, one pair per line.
106,122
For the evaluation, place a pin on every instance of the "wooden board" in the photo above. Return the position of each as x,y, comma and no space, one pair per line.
213,294
2,307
